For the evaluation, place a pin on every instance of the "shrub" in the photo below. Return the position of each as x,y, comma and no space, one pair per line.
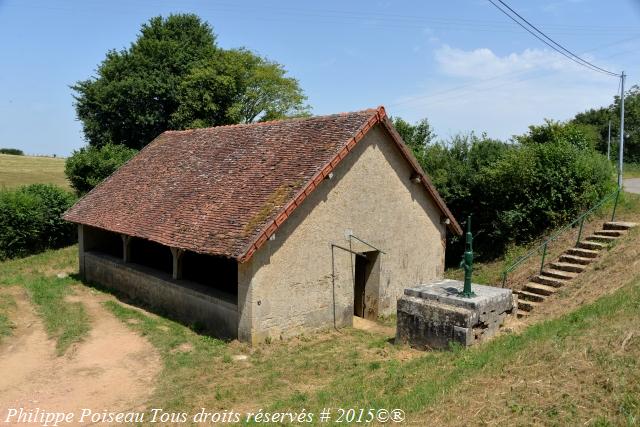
31,220
516,191
13,151
538,187
90,165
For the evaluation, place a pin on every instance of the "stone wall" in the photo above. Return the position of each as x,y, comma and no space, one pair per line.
286,288
187,302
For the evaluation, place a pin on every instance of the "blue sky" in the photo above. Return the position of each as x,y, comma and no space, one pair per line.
460,63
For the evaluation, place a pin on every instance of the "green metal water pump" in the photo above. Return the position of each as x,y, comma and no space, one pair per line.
467,263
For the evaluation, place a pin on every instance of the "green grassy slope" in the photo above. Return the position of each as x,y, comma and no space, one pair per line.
22,170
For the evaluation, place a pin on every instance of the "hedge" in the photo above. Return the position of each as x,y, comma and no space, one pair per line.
31,220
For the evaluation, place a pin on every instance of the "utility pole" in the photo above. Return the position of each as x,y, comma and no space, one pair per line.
621,155
609,142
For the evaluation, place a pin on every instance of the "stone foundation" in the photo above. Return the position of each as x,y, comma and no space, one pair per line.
188,302
433,315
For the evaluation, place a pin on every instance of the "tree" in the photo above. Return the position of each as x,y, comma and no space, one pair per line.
599,118
581,135
88,166
237,86
174,76
417,136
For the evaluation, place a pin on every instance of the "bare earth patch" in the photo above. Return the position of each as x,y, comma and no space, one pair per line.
374,327
113,368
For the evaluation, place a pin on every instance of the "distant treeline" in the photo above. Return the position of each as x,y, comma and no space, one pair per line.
13,151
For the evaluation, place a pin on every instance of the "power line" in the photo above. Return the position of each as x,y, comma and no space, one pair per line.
548,40
418,98
556,43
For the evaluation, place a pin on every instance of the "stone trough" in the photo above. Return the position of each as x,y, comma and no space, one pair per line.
434,315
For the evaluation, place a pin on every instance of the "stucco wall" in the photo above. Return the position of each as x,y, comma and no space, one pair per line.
184,301
286,288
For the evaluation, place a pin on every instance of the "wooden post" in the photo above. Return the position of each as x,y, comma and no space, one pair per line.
81,250
177,263
126,248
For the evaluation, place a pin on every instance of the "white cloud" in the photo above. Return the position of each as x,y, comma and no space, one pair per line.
483,62
502,95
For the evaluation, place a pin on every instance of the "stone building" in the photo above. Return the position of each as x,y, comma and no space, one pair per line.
267,229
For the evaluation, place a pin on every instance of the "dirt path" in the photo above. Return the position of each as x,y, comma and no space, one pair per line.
374,327
114,369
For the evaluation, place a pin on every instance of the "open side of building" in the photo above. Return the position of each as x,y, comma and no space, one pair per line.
343,238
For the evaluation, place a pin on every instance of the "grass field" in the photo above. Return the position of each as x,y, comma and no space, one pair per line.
576,363
21,170
631,170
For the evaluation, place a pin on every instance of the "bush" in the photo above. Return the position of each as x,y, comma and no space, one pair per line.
516,191
13,151
90,165
538,187
31,220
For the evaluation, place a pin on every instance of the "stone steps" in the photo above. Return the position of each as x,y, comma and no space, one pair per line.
619,225
527,305
584,252
548,280
559,274
530,296
610,233
574,259
593,246
540,289
569,265
601,238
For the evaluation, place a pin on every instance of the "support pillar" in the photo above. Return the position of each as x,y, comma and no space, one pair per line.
81,250
177,263
126,248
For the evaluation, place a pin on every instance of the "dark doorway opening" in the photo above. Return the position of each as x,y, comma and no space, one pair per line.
366,290
103,241
151,254
214,272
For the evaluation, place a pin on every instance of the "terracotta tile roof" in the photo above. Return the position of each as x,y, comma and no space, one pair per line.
225,190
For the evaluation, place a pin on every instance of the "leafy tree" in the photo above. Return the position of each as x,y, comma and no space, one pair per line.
599,119
237,86
515,191
174,76
581,135
417,136
88,166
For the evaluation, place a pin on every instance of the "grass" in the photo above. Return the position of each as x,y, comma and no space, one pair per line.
579,366
65,321
22,170
7,305
631,170
354,369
